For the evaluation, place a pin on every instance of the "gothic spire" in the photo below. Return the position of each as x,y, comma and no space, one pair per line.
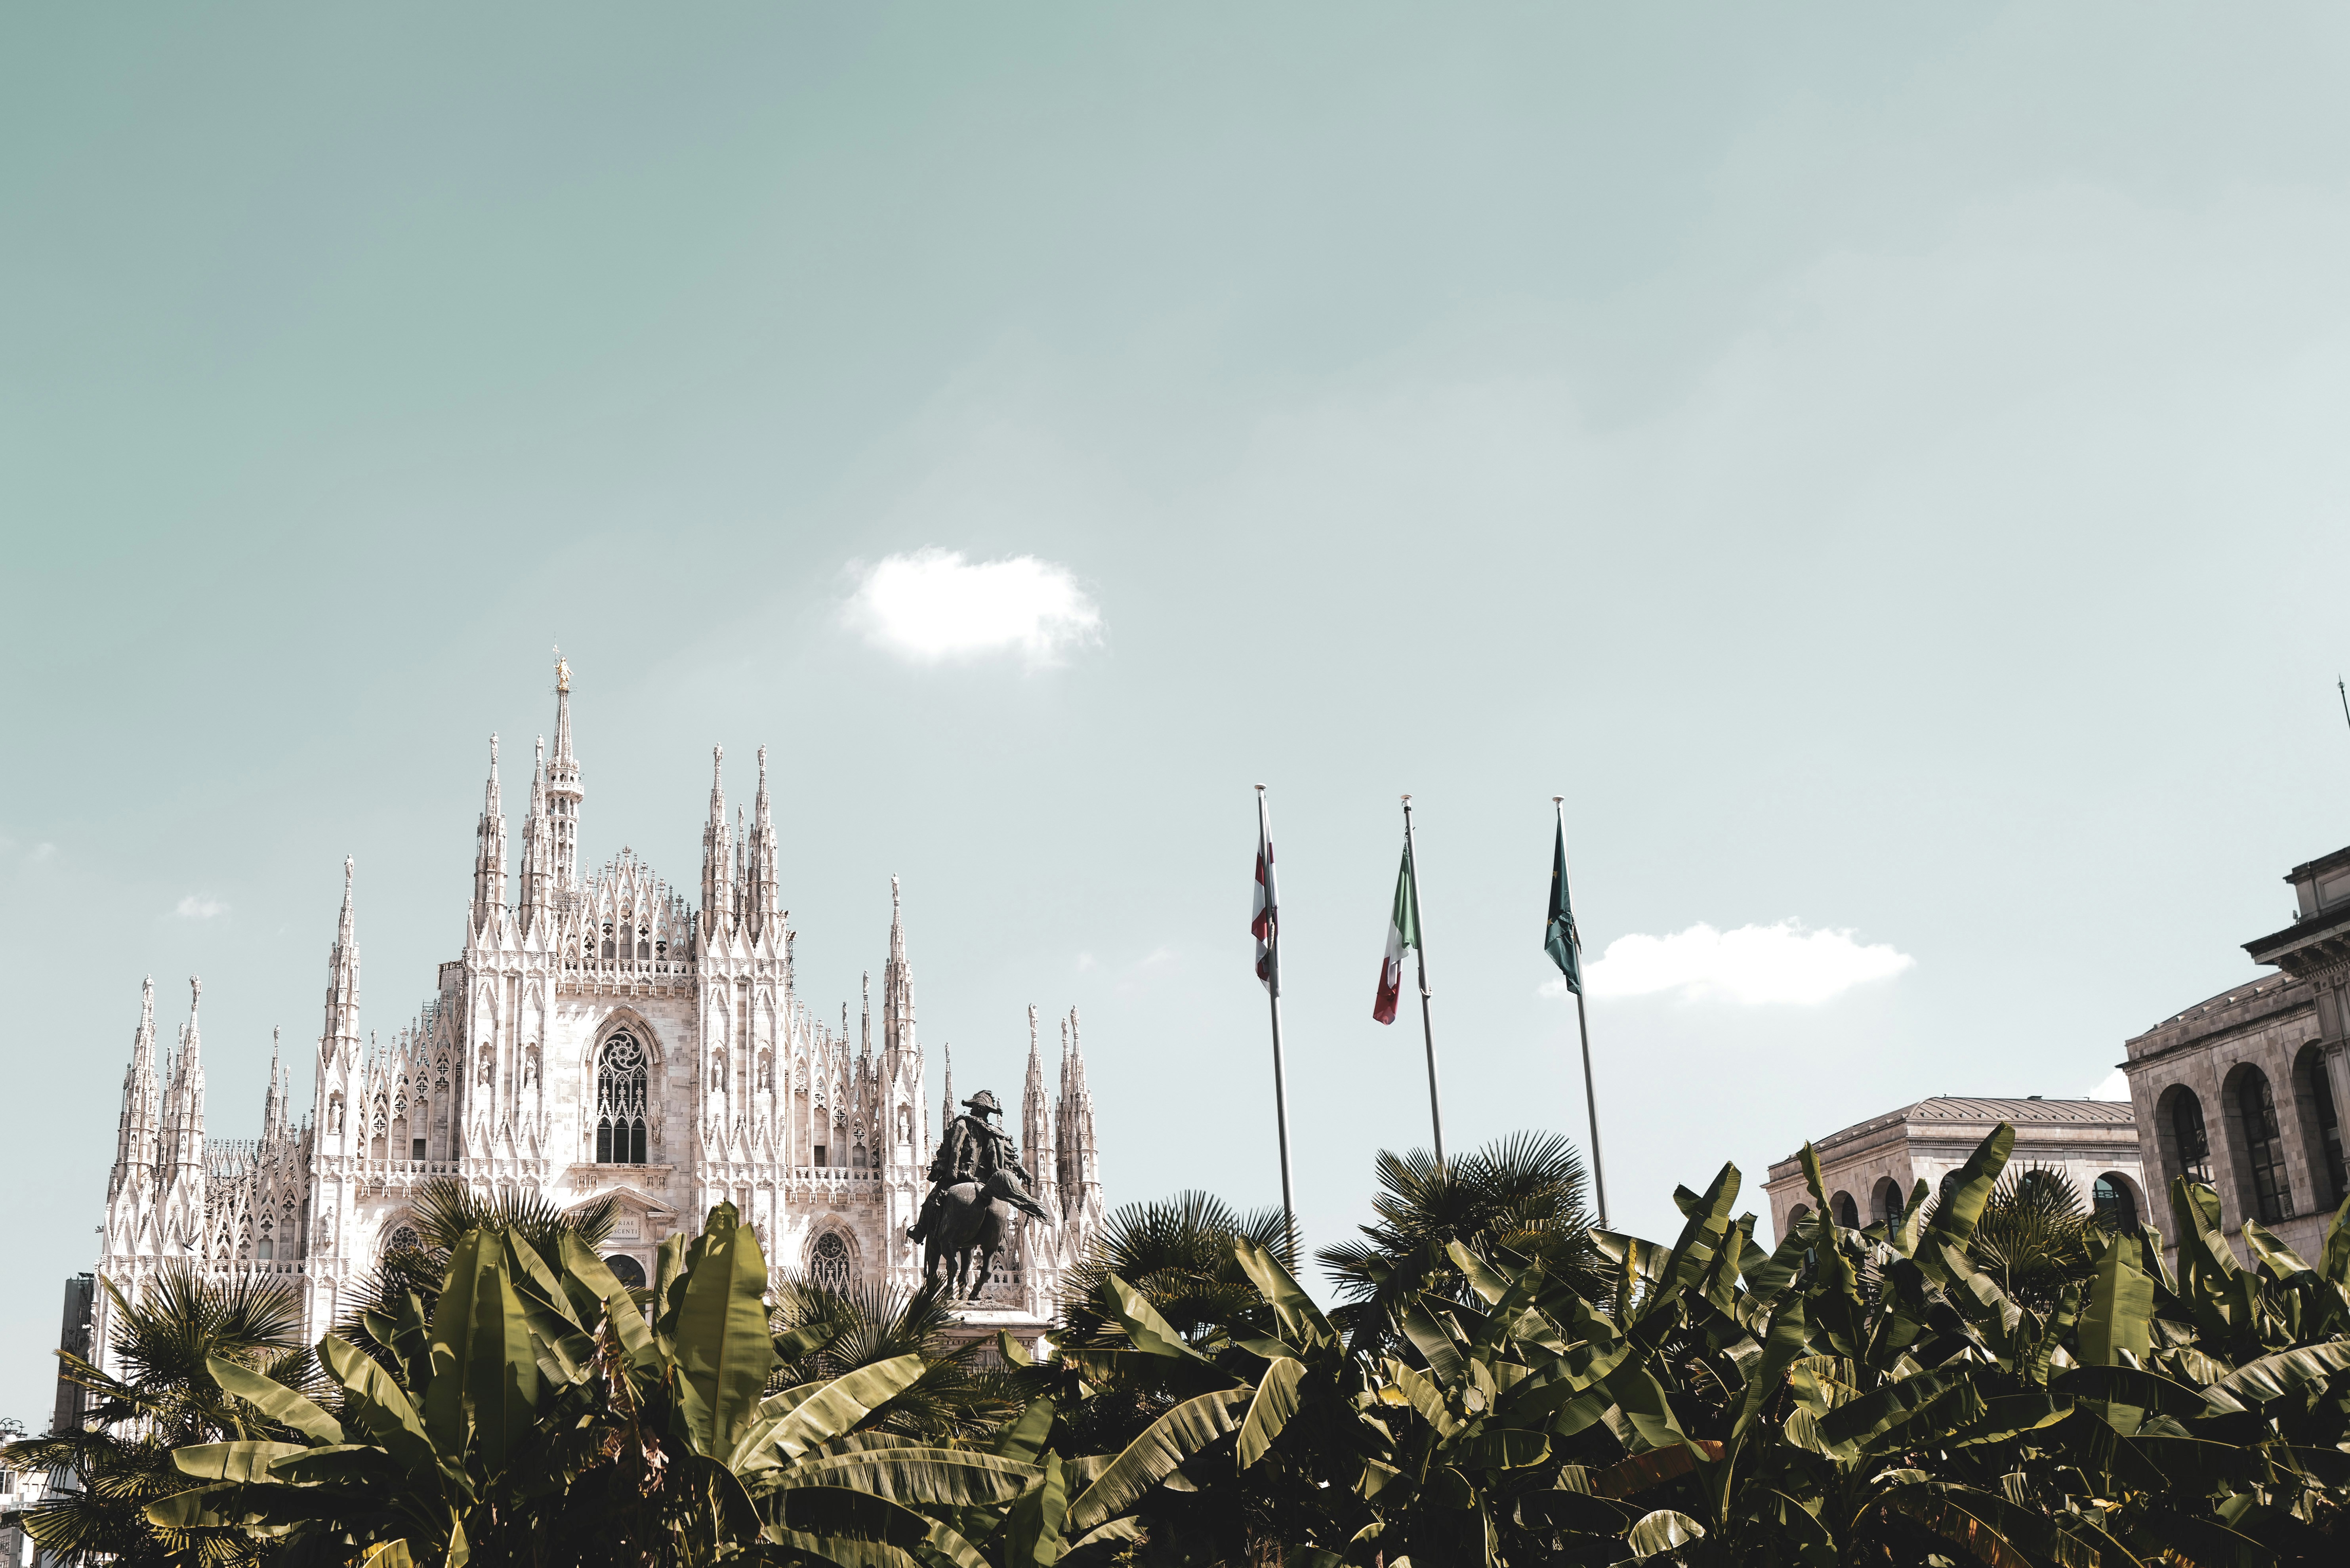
1037,1113
135,1135
563,792
184,1119
717,888
761,896
342,1031
273,1109
1080,1158
947,1112
490,848
537,847
897,984
866,1016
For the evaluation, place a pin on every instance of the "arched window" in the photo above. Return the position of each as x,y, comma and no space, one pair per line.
2194,1142
2116,1209
1889,1203
1797,1216
2256,1116
828,1261
2329,1126
621,1079
1847,1212
607,939
627,1270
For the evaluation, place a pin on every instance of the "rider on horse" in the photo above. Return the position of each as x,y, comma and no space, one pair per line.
976,1150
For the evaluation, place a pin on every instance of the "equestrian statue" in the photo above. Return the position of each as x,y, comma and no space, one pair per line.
975,1184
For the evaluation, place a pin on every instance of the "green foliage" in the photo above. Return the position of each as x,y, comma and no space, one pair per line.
177,1343
1988,1378
1522,1196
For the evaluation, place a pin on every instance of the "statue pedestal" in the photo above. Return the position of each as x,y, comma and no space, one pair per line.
983,1321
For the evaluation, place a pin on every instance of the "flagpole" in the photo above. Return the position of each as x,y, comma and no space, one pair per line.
1583,1023
1272,995
1419,948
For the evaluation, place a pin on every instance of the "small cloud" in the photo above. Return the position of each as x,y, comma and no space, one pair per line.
1146,971
196,907
2113,1085
1753,964
933,604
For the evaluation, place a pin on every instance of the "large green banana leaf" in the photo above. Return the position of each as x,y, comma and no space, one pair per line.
723,1347
1151,1457
285,1405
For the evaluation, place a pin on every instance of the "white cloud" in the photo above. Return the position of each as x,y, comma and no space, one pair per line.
196,907
2113,1085
1753,964
934,604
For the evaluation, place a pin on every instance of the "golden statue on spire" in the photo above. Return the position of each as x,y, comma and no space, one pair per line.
562,670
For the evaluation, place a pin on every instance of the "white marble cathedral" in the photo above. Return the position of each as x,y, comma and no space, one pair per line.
597,1036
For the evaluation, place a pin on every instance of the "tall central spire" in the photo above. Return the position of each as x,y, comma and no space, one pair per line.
342,1036
563,792
897,985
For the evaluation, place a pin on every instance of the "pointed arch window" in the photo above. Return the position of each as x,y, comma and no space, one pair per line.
620,1092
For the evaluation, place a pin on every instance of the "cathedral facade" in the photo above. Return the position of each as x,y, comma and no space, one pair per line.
597,1036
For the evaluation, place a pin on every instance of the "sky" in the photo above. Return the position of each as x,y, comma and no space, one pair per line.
1882,466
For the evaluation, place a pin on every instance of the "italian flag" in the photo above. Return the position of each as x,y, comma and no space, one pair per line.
1403,931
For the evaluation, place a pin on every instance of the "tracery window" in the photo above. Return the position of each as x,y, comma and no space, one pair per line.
828,1261
2264,1147
607,939
404,1240
620,1092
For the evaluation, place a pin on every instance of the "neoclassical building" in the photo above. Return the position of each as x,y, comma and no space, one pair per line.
2244,1090
1867,1170
597,1035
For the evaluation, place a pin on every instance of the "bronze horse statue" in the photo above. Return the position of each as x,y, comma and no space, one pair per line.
970,1230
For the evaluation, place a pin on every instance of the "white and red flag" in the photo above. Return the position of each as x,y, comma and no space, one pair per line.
1403,931
1264,912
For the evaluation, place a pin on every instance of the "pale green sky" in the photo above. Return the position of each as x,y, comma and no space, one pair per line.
1883,464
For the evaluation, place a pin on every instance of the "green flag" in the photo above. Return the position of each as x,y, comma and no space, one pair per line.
1559,941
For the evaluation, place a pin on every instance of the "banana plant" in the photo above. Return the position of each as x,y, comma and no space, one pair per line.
534,1407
